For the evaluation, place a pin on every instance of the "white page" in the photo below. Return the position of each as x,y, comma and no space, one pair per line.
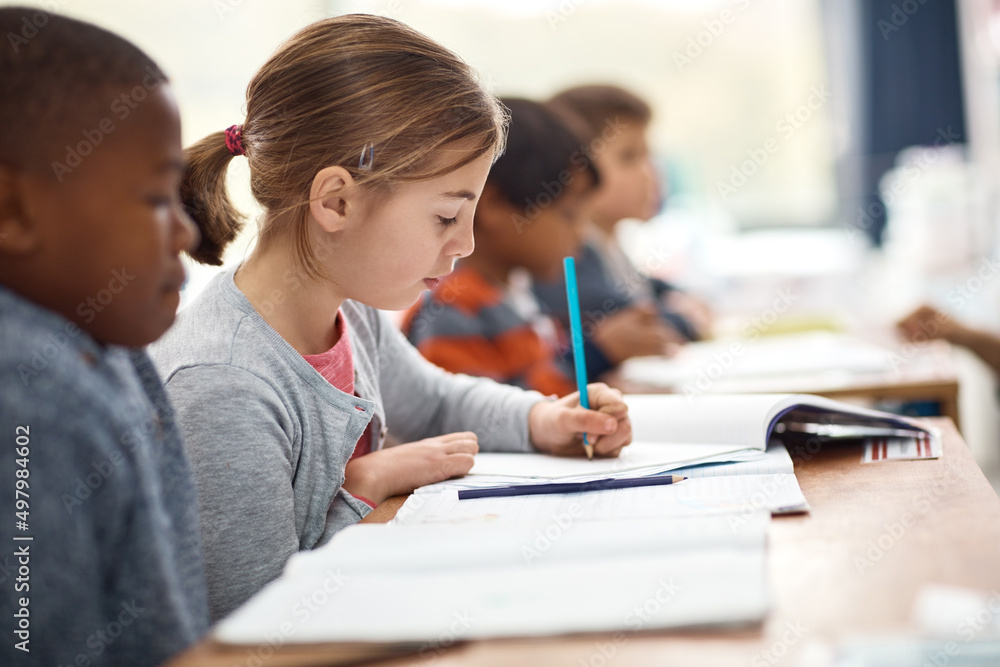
738,456
473,581
778,493
749,461
741,419
647,457
721,586
775,460
731,419
563,536
743,495
474,482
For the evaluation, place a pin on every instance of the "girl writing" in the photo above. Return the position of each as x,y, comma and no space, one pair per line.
368,147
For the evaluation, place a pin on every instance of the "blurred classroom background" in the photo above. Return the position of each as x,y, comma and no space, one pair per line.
843,152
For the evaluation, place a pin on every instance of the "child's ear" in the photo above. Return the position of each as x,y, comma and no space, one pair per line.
332,198
18,234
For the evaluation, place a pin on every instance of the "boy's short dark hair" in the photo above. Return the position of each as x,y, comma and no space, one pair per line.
57,77
542,154
592,107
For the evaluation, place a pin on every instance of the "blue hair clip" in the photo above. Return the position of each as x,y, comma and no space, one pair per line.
367,152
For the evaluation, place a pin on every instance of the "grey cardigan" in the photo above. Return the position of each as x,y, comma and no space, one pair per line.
268,437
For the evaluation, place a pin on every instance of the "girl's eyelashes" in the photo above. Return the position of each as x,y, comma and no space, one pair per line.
447,222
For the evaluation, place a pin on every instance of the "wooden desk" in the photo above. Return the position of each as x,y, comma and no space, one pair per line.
822,587
926,373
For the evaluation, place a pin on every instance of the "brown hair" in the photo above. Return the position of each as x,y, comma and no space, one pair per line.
589,108
363,92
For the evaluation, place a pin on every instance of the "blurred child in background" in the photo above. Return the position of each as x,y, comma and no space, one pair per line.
613,123
483,318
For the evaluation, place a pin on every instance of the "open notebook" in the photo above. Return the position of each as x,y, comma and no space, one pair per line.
729,446
749,420
738,495
449,582
673,431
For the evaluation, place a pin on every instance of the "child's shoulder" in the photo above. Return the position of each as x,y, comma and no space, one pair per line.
42,350
218,325
54,378
222,337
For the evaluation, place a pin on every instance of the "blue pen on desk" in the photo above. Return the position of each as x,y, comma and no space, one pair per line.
569,487
576,333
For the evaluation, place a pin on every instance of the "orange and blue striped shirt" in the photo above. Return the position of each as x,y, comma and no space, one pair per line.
473,326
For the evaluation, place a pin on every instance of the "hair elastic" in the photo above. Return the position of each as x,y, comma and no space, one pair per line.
369,152
234,140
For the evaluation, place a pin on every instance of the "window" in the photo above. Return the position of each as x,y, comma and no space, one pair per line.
743,114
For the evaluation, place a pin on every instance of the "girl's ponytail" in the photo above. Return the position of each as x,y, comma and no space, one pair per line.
203,193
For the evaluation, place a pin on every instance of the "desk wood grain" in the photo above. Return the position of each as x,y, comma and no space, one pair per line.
875,534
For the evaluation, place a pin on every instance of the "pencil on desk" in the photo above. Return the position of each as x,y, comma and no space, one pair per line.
569,487
576,334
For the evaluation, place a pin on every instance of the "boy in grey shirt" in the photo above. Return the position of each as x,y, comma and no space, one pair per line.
101,562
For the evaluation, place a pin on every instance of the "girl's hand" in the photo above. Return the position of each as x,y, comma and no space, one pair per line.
396,470
557,427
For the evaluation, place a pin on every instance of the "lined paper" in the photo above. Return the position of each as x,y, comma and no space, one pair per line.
711,495
639,458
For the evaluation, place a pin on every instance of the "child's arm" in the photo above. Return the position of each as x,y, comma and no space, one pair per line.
929,323
689,315
421,399
982,343
554,427
634,331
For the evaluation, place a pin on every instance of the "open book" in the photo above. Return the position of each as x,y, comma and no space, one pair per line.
731,447
439,584
671,431
750,420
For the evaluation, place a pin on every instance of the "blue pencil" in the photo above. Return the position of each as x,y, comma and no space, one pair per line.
569,487
576,333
